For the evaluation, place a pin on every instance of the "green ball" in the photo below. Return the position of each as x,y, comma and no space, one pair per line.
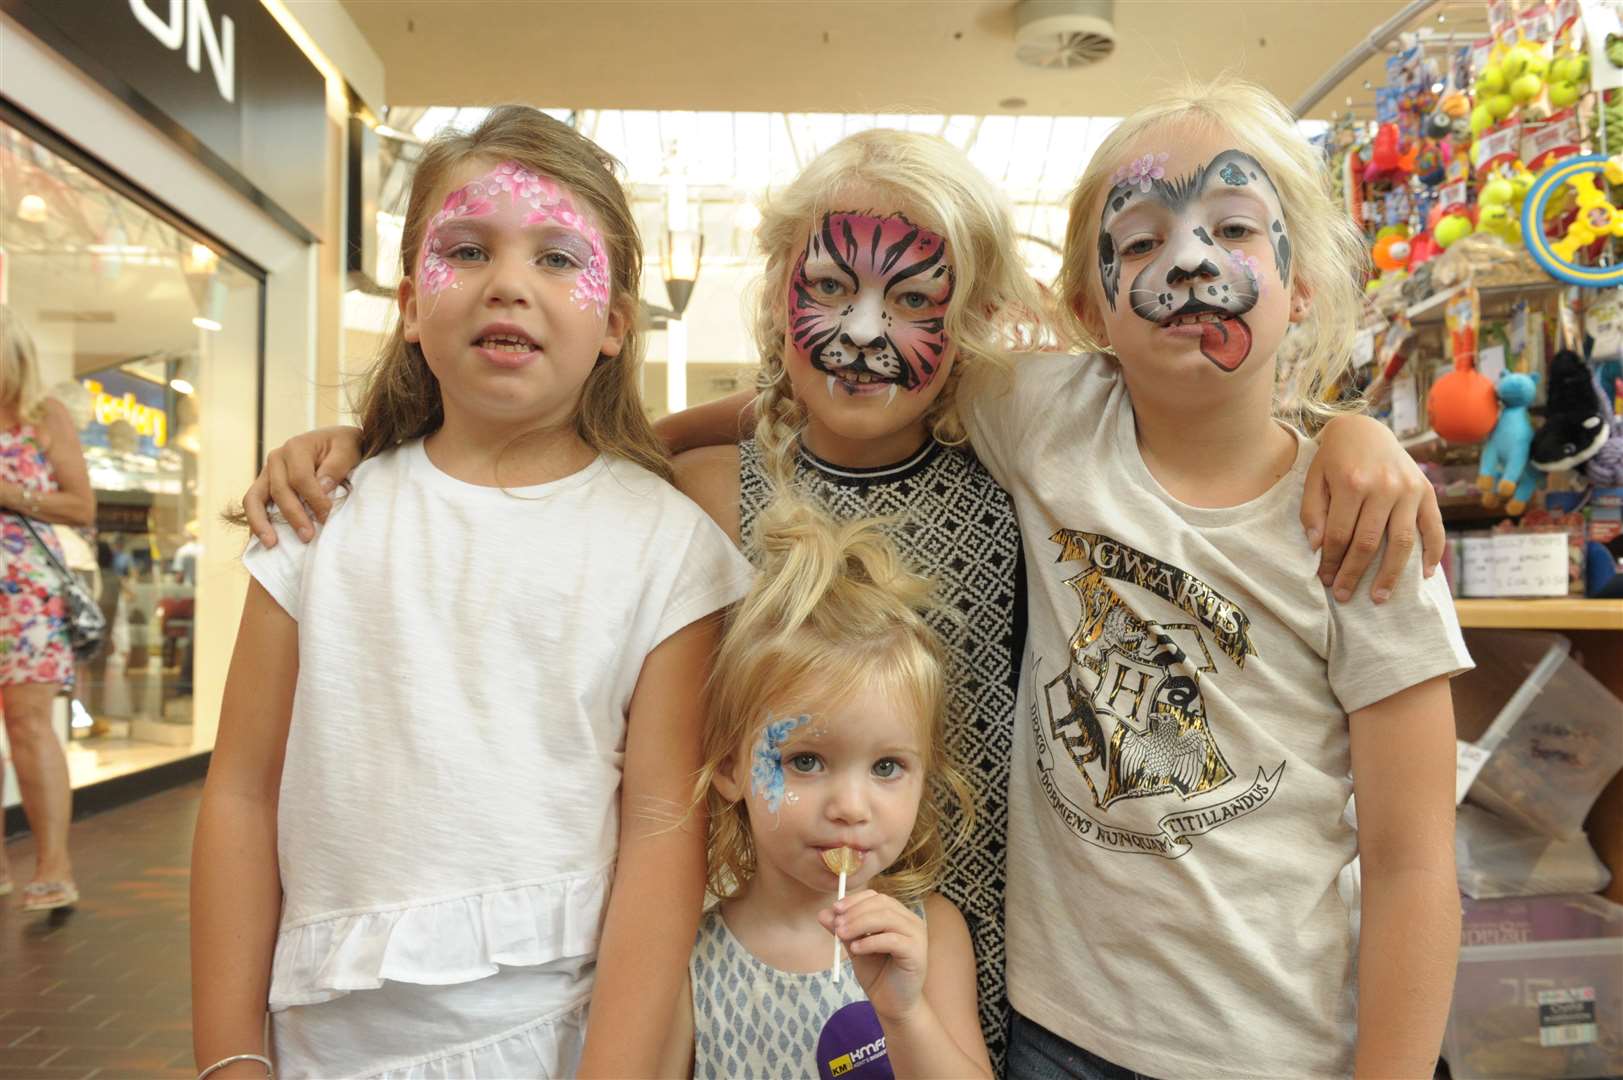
1563,93
1451,228
1500,105
1525,88
1614,51
1515,62
1491,81
1538,65
1571,69
1494,219
1481,120
1496,192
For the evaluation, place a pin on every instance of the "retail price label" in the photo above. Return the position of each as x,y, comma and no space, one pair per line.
1531,563
1454,193
1567,1017
1363,350
1468,761
1491,362
1405,403
1499,146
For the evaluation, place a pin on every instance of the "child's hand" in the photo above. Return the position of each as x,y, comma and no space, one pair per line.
1363,487
299,477
888,946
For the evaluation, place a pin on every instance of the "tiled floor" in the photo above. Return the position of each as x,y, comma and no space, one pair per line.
104,991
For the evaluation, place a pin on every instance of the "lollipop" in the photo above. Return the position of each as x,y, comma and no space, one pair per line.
841,861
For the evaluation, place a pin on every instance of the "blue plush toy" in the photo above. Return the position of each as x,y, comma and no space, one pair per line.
1505,468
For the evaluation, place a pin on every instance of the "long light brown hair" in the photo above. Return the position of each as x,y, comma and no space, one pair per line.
995,310
833,608
401,397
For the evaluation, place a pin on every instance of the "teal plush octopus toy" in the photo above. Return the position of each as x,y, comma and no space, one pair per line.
1506,469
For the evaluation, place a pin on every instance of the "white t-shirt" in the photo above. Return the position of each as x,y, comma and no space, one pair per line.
1182,763
467,656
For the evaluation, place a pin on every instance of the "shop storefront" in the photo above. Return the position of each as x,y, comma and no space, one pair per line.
164,170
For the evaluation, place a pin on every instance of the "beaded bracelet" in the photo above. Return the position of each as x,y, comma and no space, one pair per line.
270,1070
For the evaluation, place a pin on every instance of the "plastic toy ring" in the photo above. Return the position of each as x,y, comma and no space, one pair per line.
1597,217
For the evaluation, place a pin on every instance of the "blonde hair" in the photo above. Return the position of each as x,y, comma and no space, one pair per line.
1329,251
995,309
401,397
19,368
833,608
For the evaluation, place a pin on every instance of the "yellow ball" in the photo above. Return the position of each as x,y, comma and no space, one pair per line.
1515,62
1500,105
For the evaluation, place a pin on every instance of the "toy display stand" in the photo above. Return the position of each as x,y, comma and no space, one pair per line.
1540,274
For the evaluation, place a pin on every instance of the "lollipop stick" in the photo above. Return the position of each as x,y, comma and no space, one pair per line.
834,968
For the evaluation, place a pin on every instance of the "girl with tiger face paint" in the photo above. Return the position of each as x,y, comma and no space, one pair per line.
868,303
866,345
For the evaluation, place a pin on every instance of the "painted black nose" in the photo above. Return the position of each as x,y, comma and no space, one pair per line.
845,339
1178,275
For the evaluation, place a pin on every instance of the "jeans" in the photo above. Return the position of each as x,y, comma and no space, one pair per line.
1035,1053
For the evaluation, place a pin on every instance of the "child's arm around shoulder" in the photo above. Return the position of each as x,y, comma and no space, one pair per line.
709,476
1363,487
1403,777
919,974
716,423
653,912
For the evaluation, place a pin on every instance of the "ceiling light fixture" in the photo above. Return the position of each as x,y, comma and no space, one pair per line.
181,386
206,324
32,209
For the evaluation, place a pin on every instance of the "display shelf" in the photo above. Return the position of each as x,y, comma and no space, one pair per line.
1560,613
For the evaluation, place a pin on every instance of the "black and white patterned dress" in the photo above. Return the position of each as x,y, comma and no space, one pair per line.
958,527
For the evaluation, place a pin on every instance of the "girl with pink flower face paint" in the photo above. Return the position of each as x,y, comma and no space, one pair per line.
537,201
545,916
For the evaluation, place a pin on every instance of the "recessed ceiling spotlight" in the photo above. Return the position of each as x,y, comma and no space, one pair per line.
1012,103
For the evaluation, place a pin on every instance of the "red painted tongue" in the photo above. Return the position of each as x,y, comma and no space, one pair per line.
1226,343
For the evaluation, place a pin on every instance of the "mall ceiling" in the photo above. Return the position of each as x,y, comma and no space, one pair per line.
933,56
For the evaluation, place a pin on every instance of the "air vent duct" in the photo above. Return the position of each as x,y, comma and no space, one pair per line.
1063,34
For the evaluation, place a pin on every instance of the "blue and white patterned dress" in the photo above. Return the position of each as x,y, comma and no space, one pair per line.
752,1020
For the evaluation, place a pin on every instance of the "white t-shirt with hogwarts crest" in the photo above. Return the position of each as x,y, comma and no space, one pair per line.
1177,824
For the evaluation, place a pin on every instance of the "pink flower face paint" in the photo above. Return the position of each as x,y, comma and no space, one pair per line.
868,303
1185,237
538,201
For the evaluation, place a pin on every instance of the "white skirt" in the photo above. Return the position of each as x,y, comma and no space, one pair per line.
519,1022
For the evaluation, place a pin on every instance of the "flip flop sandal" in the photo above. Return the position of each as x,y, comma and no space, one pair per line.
49,895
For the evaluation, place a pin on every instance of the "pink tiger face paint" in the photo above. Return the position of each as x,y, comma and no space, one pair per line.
868,304
531,202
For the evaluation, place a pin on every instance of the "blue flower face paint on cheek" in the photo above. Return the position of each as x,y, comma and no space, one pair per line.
766,764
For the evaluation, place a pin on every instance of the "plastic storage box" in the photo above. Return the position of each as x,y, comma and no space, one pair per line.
1496,858
1556,740
1539,991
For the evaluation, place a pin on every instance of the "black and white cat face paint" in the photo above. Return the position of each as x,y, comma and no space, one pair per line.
1201,250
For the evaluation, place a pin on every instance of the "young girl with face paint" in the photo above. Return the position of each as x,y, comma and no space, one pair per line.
870,348
459,727
1195,711
825,732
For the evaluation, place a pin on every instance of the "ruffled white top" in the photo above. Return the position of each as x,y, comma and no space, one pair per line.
450,797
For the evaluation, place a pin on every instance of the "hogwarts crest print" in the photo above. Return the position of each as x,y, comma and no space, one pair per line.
1123,720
